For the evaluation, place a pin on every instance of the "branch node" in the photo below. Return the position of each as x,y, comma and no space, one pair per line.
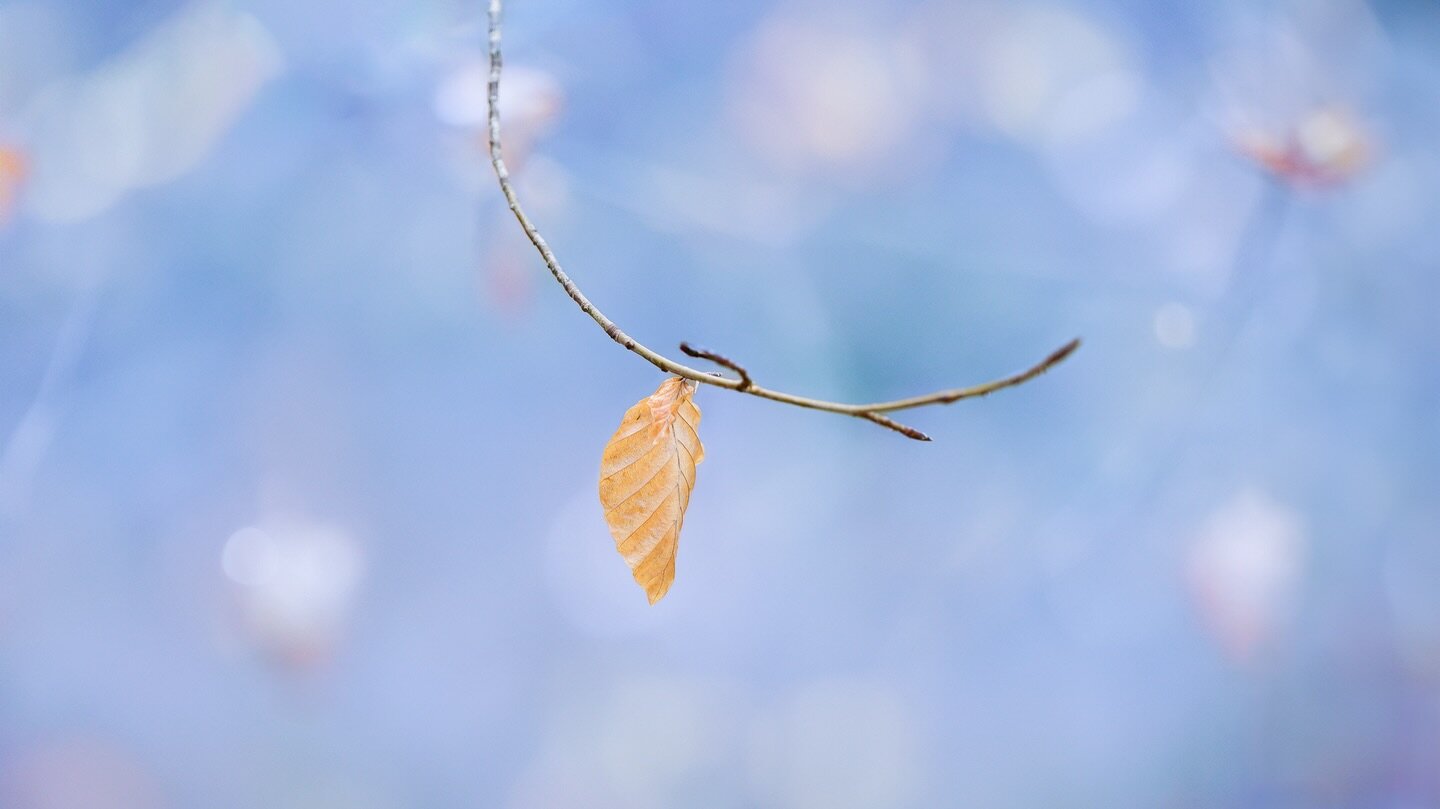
700,353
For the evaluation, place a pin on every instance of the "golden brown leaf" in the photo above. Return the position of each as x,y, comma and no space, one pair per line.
646,476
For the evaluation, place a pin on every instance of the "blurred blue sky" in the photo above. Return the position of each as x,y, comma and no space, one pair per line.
298,441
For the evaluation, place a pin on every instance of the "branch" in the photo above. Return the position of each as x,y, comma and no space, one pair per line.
949,396
869,412
700,353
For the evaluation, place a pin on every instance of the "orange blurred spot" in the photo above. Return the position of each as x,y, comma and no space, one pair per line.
13,168
1326,148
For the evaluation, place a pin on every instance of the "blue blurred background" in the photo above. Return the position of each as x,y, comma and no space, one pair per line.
298,442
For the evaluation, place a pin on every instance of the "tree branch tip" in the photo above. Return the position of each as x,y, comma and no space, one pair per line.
889,423
700,353
1063,351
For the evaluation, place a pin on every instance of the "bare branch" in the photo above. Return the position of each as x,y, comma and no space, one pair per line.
869,412
700,353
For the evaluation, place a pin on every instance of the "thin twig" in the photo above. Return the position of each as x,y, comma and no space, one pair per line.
869,412
886,421
700,353
949,396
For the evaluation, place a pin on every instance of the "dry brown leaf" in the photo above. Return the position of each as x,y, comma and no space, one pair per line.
646,476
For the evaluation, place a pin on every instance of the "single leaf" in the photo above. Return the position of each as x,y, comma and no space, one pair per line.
646,476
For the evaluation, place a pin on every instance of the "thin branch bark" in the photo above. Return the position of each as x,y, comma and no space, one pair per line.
869,412
700,353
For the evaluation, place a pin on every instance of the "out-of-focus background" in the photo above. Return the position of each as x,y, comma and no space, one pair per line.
298,441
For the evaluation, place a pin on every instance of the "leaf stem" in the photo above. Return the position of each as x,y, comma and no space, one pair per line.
869,412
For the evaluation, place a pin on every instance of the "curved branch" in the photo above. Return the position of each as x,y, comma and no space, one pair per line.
869,412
